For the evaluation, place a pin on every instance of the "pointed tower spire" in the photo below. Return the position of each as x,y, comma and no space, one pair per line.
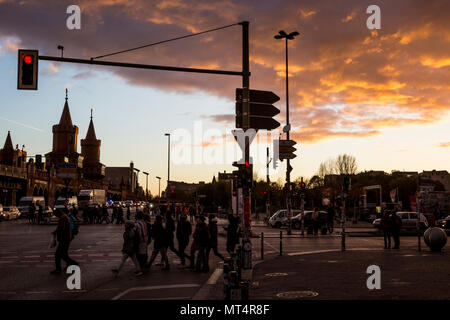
90,135
66,119
8,143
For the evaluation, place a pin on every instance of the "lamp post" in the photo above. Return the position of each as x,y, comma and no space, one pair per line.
168,160
159,186
283,35
146,184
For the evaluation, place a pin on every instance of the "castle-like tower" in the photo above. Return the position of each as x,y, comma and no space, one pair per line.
65,137
90,150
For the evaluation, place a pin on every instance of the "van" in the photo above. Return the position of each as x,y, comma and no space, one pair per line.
25,203
62,202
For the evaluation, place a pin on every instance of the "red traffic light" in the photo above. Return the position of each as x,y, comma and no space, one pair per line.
303,184
27,59
265,192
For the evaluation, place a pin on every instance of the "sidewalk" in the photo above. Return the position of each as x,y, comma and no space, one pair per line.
405,274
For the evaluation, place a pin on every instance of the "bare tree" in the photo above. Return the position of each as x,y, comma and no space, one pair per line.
326,167
345,164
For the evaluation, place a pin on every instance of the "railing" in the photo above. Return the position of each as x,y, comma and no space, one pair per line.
14,172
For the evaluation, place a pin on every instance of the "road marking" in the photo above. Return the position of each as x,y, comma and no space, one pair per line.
189,285
332,250
215,276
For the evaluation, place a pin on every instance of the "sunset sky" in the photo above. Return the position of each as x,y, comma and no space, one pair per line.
380,95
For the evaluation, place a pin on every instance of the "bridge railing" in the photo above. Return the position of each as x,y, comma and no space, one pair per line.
14,172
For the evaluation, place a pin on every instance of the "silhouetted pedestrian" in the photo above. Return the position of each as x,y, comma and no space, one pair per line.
396,226
129,248
386,226
184,231
161,242
232,232
64,237
212,244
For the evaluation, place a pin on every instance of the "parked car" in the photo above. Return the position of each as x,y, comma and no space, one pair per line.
10,213
444,223
409,220
280,218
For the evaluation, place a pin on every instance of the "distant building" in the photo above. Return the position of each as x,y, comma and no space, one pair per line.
441,176
90,150
225,177
65,139
407,174
119,177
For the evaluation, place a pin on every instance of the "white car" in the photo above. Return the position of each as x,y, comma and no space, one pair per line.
409,220
280,218
10,213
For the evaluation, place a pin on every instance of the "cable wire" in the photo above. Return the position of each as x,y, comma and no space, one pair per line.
164,41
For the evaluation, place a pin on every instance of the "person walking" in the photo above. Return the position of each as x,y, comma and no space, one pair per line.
170,229
191,213
128,213
32,213
396,226
184,231
386,226
315,220
330,218
232,232
104,215
64,236
142,232
129,248
119,215
212,228
161,242
40,213
202,240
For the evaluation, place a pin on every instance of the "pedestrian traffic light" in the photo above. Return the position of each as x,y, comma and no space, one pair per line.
302,187
27,73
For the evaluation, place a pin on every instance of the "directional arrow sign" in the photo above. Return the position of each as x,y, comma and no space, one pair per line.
283,156
283,149
259,96
259,109
287,143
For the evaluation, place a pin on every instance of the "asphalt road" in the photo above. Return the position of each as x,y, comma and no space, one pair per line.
25,262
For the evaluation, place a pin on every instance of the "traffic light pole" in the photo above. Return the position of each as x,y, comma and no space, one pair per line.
246,243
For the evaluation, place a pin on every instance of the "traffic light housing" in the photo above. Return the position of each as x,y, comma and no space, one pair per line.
302,187
284,149
346,183
27,73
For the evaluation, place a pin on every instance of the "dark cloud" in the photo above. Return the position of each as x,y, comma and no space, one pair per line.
398,75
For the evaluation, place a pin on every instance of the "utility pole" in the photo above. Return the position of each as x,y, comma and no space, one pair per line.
268,185
168,163
290,36
159,186
146,184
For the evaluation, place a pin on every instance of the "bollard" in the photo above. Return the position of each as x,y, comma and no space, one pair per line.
281,243
262,245
245,288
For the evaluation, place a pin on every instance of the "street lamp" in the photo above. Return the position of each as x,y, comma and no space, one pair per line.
159,186
146,183
168,160
283,35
